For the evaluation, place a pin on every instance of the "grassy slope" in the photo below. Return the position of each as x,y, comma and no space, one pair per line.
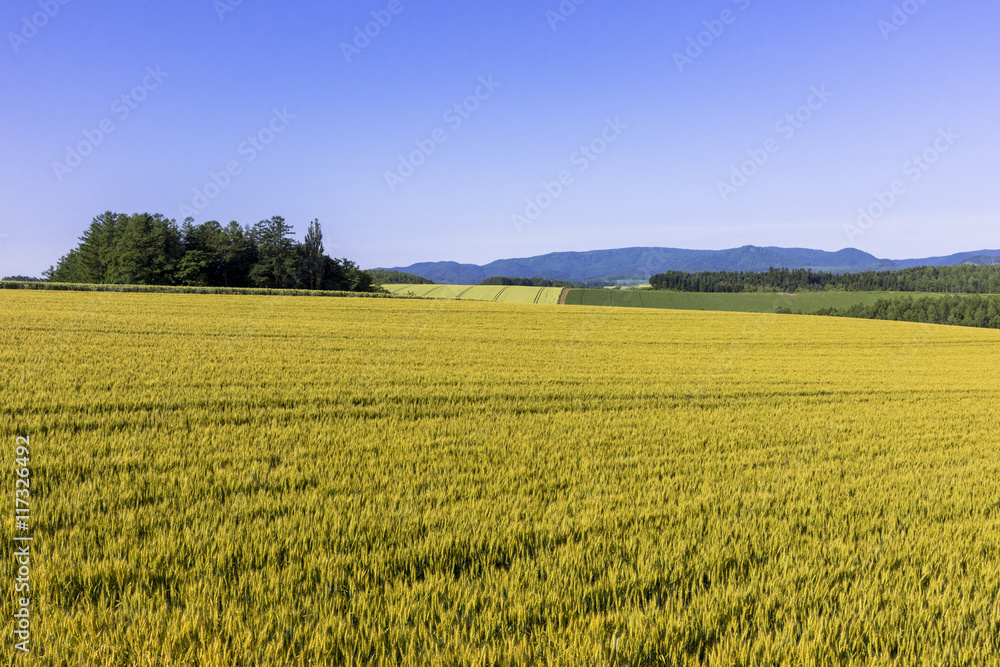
547,295
805,302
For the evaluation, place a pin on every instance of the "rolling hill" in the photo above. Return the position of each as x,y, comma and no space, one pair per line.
641,263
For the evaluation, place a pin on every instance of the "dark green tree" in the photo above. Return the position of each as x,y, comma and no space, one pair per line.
153,250
67,270
386,277
97,248
311,263
200,264
357,280
147,251
237,256
275,266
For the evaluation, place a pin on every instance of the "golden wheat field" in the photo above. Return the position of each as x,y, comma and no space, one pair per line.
239,480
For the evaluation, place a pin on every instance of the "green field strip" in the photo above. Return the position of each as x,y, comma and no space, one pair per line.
747,302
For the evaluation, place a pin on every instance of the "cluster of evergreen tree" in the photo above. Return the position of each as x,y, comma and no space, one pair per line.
962,279
969,311
389,277
145,249
526,282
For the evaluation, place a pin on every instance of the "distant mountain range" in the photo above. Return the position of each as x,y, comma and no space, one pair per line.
641,263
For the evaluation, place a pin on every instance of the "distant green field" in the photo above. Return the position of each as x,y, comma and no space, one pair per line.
746,302
498,293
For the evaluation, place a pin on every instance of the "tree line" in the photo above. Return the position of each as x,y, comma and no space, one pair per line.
391,277
961,279
149,249
526,282
968,311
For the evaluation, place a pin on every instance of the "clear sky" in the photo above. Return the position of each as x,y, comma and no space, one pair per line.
578,126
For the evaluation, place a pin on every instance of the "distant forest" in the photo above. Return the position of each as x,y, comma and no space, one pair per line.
145,249
526,282
390,277
969,311
962,279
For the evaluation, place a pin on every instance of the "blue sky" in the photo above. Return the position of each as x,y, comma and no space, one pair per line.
577,127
